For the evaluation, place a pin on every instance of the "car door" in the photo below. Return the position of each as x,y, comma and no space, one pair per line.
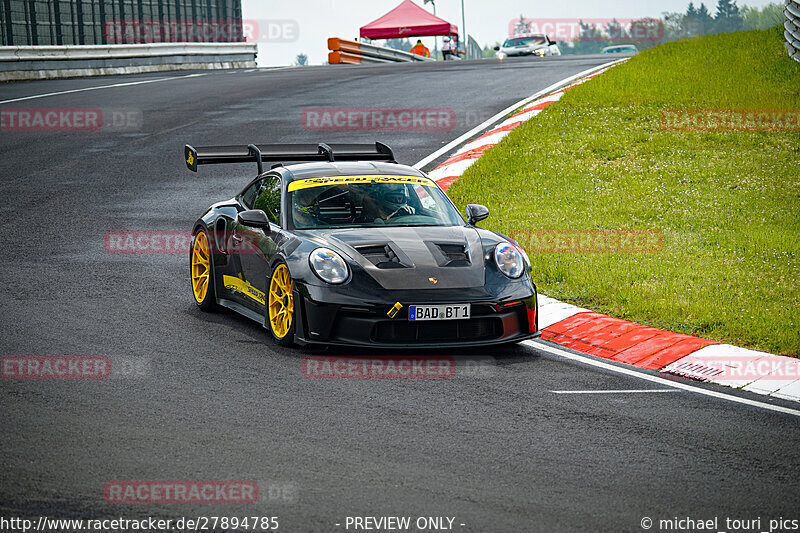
255,247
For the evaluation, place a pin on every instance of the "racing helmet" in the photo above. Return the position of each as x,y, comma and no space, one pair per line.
394,195
305,205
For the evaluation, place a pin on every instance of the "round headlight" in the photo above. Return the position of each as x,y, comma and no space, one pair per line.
328,266
509,260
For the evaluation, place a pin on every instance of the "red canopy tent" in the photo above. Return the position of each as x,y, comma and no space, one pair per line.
406,20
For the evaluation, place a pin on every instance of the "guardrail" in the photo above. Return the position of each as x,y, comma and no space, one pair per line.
792,28
45,62
355,53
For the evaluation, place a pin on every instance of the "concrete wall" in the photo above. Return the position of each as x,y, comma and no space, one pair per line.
46,62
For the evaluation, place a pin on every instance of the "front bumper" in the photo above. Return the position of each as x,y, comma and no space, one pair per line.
525,53
509,318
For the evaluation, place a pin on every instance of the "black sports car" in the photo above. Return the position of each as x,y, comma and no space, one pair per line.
351,248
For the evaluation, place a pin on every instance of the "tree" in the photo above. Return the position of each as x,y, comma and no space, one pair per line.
591,40
522,28
770,16
674,26
301,60
702,22
647,30
404,45
697,21
705,16
728,18
589,33
616,32
489,51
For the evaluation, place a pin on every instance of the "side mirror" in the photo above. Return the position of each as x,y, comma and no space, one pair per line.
476,213
254,218
497,48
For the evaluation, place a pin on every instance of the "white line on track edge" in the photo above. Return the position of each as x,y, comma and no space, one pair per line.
95,88
540,345
623,391
452,144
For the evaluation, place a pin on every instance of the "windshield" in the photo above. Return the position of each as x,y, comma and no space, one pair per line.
369,201
535,39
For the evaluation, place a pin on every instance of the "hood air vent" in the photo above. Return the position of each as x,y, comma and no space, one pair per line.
449,254
382,256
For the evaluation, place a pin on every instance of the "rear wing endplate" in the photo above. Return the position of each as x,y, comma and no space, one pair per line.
280,153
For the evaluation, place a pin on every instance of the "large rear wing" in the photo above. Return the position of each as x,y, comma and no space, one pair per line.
281,153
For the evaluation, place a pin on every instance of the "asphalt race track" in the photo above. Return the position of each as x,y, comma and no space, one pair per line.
208,397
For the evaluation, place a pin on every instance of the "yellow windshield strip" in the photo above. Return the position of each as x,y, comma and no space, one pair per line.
343,180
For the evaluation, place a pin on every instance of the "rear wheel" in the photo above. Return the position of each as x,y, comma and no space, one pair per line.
202,272
280,306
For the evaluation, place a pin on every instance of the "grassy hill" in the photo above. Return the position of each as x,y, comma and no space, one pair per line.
726,202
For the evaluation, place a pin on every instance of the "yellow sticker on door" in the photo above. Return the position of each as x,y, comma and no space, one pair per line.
240,285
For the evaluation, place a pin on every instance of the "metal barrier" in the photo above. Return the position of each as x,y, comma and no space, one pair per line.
792,28
355,53
89,22
45,62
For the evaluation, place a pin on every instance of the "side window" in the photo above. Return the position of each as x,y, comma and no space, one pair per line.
268,198
265,195
249,196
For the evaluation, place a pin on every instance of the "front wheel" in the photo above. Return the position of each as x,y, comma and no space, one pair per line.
280,306
202,272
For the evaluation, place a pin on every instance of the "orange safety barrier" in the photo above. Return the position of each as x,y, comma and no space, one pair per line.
354,53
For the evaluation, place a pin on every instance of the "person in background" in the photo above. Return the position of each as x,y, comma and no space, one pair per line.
454,51
447,49
420,49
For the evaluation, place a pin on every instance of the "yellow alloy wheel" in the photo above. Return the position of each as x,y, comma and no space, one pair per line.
201,267
281,304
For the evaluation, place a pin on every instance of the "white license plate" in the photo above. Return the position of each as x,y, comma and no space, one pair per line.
438,312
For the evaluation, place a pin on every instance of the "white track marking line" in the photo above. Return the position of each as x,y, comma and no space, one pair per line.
126,84
629,391
479,128
540,345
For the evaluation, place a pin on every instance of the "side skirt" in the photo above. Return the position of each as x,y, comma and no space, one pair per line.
242,310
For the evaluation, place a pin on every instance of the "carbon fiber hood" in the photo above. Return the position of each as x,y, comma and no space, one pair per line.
411,258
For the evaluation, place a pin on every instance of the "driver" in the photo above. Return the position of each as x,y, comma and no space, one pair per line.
389,200
305,208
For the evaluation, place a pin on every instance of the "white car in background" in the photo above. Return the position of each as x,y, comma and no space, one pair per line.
532,45
621,49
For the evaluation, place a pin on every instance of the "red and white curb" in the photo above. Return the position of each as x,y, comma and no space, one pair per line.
612,338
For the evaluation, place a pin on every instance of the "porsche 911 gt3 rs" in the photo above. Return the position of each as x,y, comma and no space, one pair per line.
347,247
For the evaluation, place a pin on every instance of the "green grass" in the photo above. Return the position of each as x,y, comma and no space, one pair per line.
727,204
